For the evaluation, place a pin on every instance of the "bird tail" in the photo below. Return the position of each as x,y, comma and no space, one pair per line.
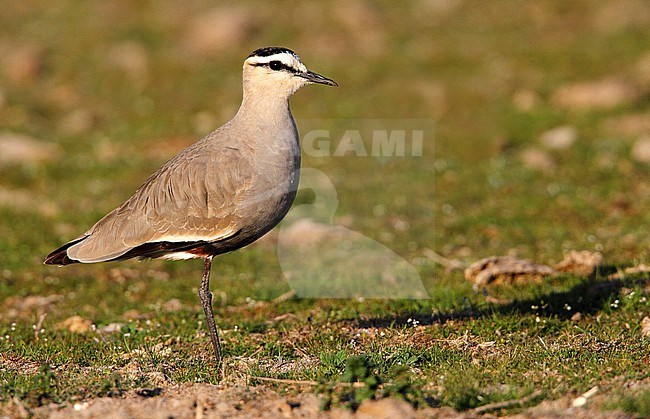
60,256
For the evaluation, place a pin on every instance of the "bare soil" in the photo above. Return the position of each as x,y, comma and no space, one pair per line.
210,401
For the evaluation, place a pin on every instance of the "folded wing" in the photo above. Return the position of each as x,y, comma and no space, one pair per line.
188,200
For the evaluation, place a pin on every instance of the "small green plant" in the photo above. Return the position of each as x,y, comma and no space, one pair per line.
112,385
359,382
46,388
462,390
403,387
359,369
637,404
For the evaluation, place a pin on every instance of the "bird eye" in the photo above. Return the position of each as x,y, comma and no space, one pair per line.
275,65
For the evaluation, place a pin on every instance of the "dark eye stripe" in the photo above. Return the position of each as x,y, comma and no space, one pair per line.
283,66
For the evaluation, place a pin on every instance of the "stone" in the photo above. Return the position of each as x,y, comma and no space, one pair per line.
595,95
385,409
75,324
21,149
645,327
525,100
537,159
220,28
559,138
641,150
506,270
132,58
580,263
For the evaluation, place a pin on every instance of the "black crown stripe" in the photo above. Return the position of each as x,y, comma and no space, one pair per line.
266,51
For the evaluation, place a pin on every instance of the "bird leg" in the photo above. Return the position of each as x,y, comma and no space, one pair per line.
206,301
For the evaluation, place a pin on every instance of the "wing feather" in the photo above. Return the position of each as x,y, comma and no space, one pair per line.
192,197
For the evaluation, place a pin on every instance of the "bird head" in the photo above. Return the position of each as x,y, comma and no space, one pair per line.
277,69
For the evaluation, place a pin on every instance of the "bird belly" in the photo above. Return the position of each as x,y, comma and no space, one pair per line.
180,256
276,185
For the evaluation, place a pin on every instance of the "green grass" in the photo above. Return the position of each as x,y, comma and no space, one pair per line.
469,196
638,404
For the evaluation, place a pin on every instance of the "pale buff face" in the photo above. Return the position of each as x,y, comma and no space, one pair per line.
281,73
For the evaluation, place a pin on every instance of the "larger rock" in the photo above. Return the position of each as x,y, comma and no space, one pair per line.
505,270
580,263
